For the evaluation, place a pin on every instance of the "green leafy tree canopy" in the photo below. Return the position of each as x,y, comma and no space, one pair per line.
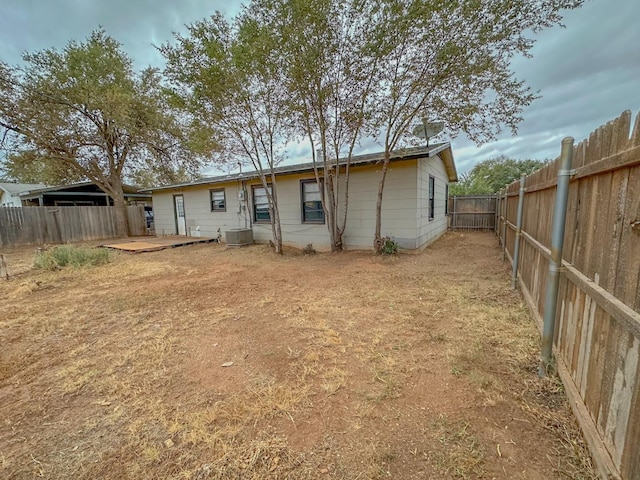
226,79
491,175
84,113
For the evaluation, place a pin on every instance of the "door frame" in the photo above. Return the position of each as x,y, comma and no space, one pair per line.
175,214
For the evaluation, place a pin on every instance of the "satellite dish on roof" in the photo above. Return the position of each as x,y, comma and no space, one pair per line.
428,129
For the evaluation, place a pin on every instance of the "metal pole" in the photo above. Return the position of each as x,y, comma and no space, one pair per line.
496,221
516,243
557,240
504,226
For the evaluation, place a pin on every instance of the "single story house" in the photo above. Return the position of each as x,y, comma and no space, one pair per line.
10,192
79,195
413,210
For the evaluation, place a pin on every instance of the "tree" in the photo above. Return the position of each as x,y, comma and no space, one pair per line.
83,113
153,177
450,61
491,175
226,76
329,74
27,166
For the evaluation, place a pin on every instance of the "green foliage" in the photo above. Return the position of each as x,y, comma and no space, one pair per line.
70,255
160,177
83,113
226,78
28,166
389,246
493,174
309,250
331,72
450,61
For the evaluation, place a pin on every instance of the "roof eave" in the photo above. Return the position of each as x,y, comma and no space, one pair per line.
308,167
447,158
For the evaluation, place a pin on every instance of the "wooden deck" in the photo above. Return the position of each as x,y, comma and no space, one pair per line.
152,244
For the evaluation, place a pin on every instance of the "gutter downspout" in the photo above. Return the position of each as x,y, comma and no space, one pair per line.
555,264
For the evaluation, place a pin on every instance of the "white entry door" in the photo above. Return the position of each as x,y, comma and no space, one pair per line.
181,224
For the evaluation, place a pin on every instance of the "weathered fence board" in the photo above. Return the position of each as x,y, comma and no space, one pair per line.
472,212
137,220
40,225
597,337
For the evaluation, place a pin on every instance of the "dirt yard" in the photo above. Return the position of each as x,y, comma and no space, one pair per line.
345,366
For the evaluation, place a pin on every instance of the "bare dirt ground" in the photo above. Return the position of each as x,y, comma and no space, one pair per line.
345,366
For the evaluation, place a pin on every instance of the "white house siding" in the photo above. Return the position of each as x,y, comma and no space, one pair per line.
404,215
398,215
7,200
197,207
294,231
200,218
398,205
163,217
429,230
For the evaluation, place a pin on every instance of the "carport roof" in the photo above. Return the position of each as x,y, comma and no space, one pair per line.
441,149
86,188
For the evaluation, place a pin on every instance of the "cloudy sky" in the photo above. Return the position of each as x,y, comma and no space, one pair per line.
586,73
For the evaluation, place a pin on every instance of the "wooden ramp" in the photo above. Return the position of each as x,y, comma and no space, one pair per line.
152,244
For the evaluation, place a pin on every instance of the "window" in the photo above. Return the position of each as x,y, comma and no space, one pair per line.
311,202
261,205
432,205
446,199
218,200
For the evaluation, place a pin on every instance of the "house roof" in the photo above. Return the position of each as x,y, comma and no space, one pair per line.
441,149
42,189
17,188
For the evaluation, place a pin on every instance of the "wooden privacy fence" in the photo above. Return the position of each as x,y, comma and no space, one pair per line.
597,328
472,212
40,225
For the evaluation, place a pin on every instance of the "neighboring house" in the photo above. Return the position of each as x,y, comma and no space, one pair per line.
413,209
10,192
79,194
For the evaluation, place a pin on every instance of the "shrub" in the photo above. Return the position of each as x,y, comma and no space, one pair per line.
309,250
70,255
389,247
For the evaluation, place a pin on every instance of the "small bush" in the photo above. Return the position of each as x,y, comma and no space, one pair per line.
389,247
69,255
309,250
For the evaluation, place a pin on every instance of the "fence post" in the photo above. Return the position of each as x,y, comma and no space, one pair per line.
555,263
496,221
454,218
504,225
516,242
496,216
3,267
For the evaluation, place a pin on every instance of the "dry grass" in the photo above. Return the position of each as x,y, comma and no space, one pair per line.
545,400
500,345
462,455
344,367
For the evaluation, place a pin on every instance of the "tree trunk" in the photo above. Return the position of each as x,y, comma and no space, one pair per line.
277,230
274,213
378,241
330,211
338,241
122,223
